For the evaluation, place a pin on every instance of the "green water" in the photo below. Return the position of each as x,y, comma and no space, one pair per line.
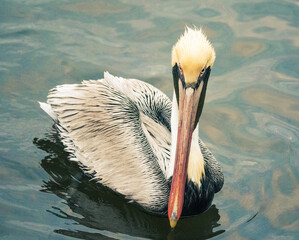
250,120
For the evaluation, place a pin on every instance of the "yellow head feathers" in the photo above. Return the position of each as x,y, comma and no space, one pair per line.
193,52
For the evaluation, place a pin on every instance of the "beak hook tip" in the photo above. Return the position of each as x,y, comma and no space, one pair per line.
173,220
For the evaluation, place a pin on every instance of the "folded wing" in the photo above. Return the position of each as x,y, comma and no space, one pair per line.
119,130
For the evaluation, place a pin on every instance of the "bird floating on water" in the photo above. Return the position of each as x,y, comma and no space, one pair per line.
133,140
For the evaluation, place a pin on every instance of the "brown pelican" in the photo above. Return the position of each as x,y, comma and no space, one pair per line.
129,136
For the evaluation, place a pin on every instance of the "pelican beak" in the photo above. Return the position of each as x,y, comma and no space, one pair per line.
190,106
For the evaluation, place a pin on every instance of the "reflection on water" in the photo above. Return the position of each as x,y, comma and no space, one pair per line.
248,48
284,212
250,120
94,206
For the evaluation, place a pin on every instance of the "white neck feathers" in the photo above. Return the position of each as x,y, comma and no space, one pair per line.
195,170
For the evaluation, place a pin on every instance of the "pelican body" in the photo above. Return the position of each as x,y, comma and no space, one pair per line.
132,139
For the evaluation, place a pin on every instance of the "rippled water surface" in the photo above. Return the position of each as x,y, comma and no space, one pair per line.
250,119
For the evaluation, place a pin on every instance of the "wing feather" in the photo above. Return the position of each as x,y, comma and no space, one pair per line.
101,123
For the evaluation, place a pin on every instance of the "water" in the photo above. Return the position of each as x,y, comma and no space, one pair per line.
250,119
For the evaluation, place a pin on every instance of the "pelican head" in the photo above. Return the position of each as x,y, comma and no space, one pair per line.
192,59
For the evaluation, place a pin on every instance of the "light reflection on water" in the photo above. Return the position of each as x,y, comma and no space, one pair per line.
250,119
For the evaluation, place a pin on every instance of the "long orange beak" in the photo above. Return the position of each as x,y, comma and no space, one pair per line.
188,106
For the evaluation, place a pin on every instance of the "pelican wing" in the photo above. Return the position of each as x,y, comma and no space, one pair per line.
119,130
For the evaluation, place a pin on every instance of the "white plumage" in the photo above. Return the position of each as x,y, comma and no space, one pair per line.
99,122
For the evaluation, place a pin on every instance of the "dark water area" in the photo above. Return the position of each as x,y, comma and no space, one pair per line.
250,120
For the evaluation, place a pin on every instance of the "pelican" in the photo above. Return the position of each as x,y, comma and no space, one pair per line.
132,139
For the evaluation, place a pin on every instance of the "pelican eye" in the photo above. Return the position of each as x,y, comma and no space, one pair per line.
181,72
202,71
